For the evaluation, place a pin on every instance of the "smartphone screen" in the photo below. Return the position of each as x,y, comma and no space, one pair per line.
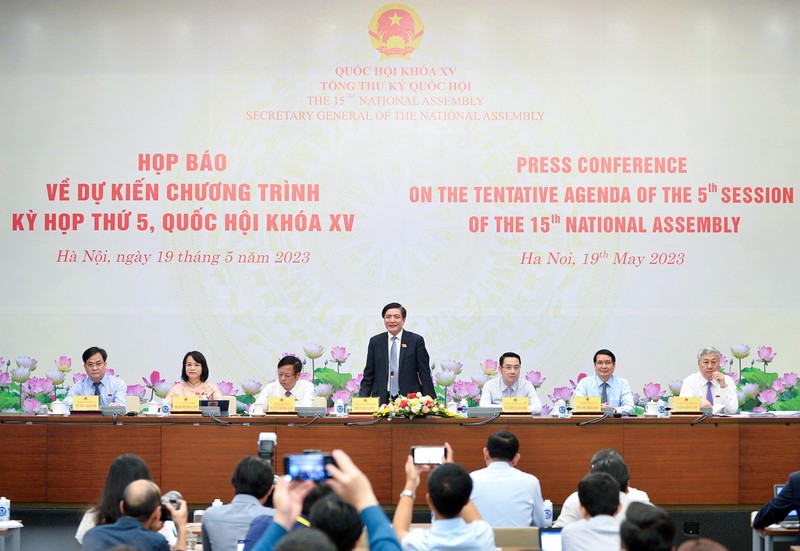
307,466
429,455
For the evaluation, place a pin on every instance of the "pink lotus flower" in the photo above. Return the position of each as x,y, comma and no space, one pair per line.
251,387
652,391
759,409
342,395
452,366
325,389
5,378
790,380
489,367
78,377
546,410
36,386
306,377
768,397
675,386
740,351
578,380
734,376
444,378
30,406
766,354
750,389
313,350
637,399
777,385
27,361
136,390
56,376
561,393
354,384
339,354
226,388
535,378
155,378
723,361
20,374
464,390
481,379
64,363
162,389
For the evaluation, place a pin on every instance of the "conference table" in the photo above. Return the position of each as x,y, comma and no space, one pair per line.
731,462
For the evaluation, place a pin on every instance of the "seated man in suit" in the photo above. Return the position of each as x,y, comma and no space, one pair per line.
397,360
508,385
614,392
289,384
715,389
109,388
778,507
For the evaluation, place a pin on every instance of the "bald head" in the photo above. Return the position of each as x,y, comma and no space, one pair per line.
140,499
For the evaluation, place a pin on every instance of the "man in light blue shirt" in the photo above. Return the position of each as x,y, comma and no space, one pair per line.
109,388
509,385
614,392
504,495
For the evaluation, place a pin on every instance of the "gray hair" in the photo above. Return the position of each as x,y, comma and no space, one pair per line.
707,351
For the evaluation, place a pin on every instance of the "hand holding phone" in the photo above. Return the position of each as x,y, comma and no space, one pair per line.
308,466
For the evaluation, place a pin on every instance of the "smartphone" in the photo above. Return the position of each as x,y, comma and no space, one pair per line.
307,466
429,455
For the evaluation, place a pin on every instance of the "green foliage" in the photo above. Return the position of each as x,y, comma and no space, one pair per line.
788,405
755,375
330,376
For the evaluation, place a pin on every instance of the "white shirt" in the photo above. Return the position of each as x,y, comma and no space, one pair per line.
492,394
399,340
303,393
506,496
571,510
724,398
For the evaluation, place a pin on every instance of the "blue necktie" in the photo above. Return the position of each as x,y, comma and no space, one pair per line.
96,388
393,385
709,394
604,393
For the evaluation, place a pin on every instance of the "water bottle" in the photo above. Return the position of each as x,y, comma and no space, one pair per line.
548,513
165,408
5,509
462,406
338,408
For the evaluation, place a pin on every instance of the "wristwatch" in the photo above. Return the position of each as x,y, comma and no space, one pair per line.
409,493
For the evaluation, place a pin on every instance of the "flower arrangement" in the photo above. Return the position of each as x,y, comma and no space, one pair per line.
413,405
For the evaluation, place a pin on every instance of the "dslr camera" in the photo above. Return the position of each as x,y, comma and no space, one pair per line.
171,497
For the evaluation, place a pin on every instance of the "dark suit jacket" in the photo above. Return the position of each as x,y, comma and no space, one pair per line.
781,505
413,366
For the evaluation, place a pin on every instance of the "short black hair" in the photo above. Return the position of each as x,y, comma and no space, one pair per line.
337,518
394,305
605,352
605,453
319,491
508,355
449,486
253,476
199,358
91,351
293,361
647,528
616,468
502,445
305,540
599,494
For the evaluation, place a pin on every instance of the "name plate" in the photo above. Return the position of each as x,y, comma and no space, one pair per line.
281,404
586,404
185,403
86,403
517,404
685,404
364,405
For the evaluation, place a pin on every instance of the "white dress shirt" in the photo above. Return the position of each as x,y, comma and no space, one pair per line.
303,392
492,394
724,398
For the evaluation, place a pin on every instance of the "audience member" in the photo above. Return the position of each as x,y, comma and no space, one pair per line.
599,497
261,523
509,385
338,519
194,379
606,459
647,528
504,495
223,526
785,502
289,384
614,392
109,388
715,389
701,544
456,521
349,482
140,522
397,360
309,539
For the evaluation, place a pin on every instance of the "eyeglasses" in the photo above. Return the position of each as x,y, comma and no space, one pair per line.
92,365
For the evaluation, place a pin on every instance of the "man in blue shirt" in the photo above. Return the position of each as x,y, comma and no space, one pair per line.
614,392
109,388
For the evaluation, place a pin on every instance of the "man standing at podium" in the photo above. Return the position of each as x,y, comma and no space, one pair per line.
397,360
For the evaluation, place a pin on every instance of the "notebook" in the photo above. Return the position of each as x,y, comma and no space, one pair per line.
791,520
550,539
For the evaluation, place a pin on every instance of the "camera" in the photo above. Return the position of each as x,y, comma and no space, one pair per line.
308,466
428,455
172,498
267,441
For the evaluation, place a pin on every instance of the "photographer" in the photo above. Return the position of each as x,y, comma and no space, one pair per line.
140,522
